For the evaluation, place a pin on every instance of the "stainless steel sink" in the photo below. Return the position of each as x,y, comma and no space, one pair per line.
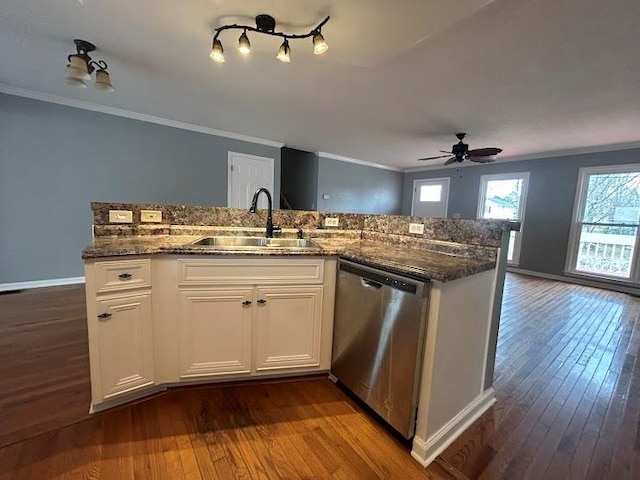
291,243
232,242
254,242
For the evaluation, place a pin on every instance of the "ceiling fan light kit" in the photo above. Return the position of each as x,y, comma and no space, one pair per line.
266,25
81,66
461,152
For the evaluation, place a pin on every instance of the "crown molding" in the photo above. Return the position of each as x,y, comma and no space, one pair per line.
340,158
538,156
118,112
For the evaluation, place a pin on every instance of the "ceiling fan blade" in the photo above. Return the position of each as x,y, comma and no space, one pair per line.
432,158
444,151
451,160
482,159
484,152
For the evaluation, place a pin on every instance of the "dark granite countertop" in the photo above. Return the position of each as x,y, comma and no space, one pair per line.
420,263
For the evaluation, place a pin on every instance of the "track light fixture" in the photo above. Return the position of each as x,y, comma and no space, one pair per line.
81,66
266,24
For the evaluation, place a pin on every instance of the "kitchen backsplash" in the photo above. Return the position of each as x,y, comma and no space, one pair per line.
474,232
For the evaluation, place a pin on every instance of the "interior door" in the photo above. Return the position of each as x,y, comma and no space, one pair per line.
430,197
247,173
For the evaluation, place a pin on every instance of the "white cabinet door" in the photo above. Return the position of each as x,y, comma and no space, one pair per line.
122,334
288,327
215,332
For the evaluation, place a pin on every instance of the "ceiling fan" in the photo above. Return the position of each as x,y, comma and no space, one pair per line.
461,152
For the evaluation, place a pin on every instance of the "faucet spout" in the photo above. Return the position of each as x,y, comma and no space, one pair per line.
270,228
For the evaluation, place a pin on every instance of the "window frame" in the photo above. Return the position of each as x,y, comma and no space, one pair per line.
579,205
484,180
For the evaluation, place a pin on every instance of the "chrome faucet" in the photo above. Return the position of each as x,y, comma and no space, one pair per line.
254,206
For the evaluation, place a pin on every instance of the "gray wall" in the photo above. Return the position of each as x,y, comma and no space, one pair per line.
549,208
299,179
55,160
354,188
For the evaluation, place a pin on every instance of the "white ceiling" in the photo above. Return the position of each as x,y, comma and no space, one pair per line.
400,78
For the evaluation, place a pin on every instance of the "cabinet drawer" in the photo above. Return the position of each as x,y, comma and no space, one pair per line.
122,275
271,271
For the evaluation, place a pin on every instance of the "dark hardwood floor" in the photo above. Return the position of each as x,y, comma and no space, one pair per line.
567,383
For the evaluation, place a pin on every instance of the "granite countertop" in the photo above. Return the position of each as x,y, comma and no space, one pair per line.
425,264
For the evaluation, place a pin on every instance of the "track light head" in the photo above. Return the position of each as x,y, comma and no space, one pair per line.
319,44
244,46
217,52
284,52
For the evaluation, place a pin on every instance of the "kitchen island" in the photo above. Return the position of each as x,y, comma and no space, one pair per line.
163,311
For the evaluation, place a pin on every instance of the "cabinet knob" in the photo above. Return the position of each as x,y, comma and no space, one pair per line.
262,301
246,303
103,316
124,276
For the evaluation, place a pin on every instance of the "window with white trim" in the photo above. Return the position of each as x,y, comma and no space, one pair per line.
606,217
504,196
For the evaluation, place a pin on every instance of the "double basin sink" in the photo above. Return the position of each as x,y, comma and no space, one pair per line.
254,243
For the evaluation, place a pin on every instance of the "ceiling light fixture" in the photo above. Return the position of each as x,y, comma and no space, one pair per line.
81,66
267,24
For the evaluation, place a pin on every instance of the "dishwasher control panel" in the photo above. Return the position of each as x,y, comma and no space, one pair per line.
382,278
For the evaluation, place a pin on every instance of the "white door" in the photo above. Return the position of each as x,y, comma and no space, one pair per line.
247,173
430,197
504,196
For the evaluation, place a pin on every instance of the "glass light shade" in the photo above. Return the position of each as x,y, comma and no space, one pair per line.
319,44
217,52
283,52
244,46
103,81
81,66
71,78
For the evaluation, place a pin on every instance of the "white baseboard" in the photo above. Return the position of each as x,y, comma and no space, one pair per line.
54,282
426,452
578,281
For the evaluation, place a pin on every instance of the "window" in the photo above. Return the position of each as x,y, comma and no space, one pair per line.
606,217
504,196
430,193
430,197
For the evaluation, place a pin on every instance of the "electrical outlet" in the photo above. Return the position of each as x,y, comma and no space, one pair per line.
416,228
456,215
332,221
150,216
120,216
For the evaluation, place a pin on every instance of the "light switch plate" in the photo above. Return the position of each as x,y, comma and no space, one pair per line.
325,196
416,228
332,221
120,216
150,216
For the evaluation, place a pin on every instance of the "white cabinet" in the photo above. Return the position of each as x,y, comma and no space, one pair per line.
242,316
120,328
124,343
215,332
168,320
287,327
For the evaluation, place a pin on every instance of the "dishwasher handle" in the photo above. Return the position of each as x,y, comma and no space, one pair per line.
370,283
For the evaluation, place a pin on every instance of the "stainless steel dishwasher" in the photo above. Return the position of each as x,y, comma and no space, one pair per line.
378,340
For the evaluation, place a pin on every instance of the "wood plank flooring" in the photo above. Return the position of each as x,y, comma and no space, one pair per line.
567,383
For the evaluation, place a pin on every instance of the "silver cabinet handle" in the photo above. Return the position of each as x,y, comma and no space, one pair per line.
124,276
104,316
